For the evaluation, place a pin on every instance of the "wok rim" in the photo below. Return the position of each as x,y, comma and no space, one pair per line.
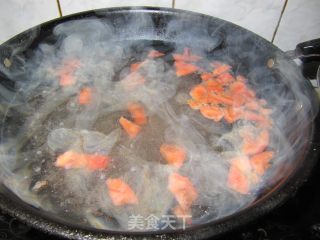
273,199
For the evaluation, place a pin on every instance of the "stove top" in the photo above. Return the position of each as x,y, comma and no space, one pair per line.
297,219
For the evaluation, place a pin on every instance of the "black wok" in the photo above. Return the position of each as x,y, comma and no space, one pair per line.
267,63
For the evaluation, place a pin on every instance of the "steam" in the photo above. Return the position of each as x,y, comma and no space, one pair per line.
40,119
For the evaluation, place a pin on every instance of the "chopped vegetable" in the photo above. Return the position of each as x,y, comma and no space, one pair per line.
136,66
220,68
120,192
221,98
221,95
242,163
131,128
214,86
253,145
183,190
231,115
85,96
183,69
74,160
212,112
261,162
239,88
173,154
183,65
66,74
186,56
71,159
207,76
155,54
225,78
97,162
138,114
66,79
238,179
199,93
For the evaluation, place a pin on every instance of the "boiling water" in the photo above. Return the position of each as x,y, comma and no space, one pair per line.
43,120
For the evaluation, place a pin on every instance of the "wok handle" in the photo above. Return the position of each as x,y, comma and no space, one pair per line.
309,54
308,51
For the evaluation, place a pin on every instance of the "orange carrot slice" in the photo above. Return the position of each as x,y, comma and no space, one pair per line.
131,128
225,78
97,162
231,115
207,76
155,54
66,74
237,87
74,160
212,112
173,154
132,81
137,112
214,86
183,69
220,68
261,162
220,98
85,96
186,56
242,162
71,160
182,189
66,79
253,145
199,93
238,179
120,192
134,67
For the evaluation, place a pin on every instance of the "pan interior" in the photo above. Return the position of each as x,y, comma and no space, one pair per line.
42,120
